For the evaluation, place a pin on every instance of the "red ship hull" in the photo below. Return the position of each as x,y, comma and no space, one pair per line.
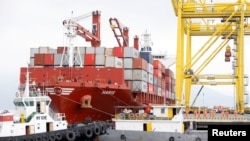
87,93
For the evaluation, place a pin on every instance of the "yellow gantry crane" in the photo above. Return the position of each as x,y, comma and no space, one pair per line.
220,22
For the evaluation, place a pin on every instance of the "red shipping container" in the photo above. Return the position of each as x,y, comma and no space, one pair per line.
163,69
155,90
168,87
48,59
169,72
150,88
44,59
118,52
61,49
168,79
163,92
163,84
157,73
157,64
89,59
159,82
38,59
139,63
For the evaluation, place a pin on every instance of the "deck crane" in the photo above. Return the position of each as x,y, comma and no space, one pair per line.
73,28
94,35
230,25
120,32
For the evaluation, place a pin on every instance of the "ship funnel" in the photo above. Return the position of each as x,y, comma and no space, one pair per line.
136,42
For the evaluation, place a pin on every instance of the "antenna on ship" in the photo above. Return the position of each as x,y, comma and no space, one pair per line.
26,90
146,42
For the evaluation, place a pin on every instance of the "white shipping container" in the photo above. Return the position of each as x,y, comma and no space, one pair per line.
139,86
128,63
99,59
43,49
131,52
52,50
109,61
32,61
128,74
159,92
100,50
90,50
112,61
79,60
155,80
81,49
150,78
172,95
33,51
118,62
108,51
139,74
150,68
58,58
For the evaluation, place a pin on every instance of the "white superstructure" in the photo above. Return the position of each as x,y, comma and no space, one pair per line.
32,114
161,119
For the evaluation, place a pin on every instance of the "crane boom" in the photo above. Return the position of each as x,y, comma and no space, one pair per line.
73,28
93,36
123,32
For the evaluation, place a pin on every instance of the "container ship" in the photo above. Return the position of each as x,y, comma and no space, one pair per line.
86,83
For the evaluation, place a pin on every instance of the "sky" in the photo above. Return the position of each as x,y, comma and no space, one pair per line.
33,23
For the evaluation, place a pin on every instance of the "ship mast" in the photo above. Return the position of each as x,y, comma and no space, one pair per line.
146,42
27,85
70,34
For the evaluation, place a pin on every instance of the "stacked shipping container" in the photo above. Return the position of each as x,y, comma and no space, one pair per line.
142,73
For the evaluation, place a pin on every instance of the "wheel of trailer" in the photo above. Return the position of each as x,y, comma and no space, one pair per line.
31,138
103,128
171,138
44,138
58,136
52,137
97,130
197,139
38,138
8,139
88,132
70,135
123,137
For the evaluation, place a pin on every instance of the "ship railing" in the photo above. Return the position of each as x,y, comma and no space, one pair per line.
57,116
135,116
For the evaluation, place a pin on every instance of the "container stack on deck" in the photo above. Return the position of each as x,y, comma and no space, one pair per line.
147,77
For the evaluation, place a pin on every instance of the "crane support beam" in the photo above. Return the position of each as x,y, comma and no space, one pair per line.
222,22
195,9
